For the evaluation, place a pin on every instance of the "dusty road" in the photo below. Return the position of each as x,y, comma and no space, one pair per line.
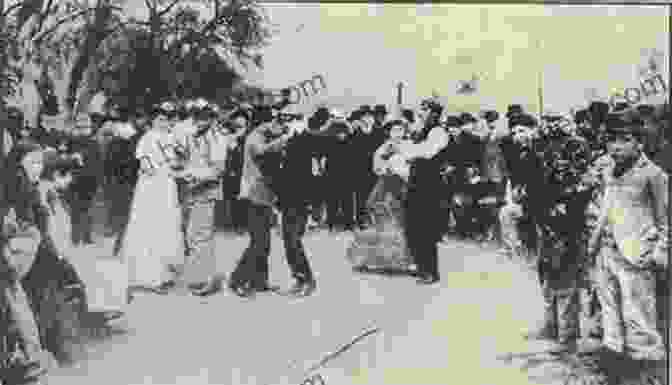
447,334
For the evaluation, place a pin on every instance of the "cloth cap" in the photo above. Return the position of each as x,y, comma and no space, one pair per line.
366,110
490,115
466,118
513,110
453,121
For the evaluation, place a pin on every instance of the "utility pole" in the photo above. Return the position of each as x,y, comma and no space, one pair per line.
540,78
400,90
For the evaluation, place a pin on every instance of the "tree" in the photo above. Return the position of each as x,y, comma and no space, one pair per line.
55,39
69,47
176,52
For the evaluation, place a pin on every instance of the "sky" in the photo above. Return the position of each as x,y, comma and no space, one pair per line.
364,50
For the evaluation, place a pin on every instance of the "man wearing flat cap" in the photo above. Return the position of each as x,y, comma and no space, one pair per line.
631,241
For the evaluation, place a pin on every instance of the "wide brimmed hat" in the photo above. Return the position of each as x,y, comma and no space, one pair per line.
467,118
490,115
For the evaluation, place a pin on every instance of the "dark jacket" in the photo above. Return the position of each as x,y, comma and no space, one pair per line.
295,187
121,166
87,179
363,148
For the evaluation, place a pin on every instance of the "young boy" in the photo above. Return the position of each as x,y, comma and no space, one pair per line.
631,241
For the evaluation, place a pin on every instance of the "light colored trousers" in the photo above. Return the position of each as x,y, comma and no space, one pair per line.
200,262
509,217
628,297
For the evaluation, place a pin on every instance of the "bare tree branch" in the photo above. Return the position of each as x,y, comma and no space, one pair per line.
11,8
45,14
40,37
168,8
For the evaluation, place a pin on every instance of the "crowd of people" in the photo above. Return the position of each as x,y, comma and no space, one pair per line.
169,173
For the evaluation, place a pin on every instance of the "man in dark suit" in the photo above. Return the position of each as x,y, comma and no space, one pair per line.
339,167
86,180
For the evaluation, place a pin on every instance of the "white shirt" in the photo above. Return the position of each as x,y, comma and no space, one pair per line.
435,142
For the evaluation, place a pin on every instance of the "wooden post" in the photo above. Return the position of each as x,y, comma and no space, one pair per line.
400,90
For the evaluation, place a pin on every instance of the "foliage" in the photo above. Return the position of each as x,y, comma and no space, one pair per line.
85,46
8,77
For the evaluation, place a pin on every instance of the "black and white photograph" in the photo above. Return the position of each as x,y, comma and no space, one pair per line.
249,192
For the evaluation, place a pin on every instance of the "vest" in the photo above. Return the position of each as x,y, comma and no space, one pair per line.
426,173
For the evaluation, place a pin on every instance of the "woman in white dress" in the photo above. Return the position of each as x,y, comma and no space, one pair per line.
153,247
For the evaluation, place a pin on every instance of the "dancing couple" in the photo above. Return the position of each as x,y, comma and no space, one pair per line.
171,235
410,177
273,167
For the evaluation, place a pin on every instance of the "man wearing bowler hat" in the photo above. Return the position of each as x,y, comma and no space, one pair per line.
631,242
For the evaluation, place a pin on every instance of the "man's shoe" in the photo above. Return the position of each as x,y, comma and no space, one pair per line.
242,292
308,288
197,285
295,290
265,288
162,289
300,289
168,285
208,289
428,280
